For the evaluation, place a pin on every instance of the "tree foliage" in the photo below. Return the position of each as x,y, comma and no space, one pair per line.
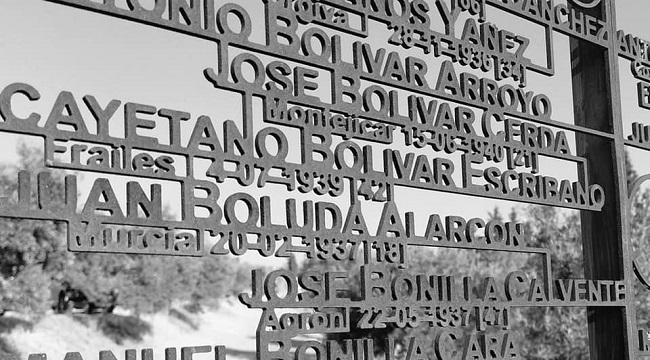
558,333
544,333
34,263
33,254
640,238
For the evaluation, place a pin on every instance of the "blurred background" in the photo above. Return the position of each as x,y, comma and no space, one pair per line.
53,301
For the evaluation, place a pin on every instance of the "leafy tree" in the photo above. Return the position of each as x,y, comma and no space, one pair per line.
558,333
34,263
440,261
640,238
33,253
546,333
352,267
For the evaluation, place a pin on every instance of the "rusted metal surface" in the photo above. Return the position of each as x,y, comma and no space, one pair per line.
479,118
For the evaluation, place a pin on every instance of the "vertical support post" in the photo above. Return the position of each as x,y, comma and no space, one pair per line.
596,97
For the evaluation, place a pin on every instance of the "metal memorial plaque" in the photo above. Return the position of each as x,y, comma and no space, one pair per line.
321,116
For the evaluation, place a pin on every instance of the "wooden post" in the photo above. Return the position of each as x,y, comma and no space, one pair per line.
596,98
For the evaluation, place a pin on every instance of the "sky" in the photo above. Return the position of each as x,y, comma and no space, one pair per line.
55,47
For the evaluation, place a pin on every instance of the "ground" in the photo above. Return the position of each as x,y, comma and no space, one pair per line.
232,325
